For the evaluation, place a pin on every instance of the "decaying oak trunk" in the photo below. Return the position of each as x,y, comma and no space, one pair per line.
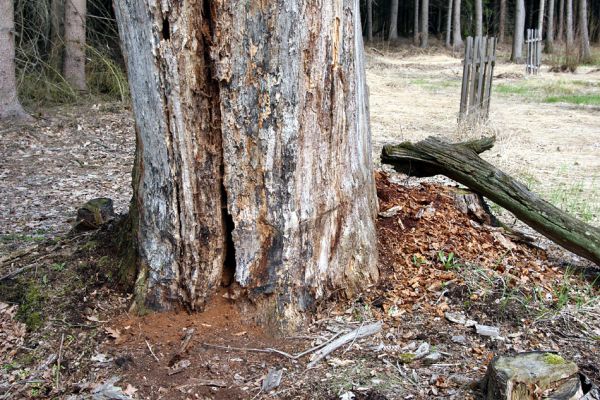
253,150
461,162
531,376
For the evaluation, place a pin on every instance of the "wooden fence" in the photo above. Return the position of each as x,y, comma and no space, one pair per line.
478,72
534,51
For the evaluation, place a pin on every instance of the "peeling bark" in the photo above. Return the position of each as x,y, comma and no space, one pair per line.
260,107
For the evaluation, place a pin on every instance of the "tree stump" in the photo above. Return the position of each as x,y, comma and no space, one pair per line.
532,375
94,213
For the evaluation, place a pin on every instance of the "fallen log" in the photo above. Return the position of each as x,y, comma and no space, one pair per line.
461,162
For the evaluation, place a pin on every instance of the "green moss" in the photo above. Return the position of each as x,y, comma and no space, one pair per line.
90,245
30,308
406,358
553,359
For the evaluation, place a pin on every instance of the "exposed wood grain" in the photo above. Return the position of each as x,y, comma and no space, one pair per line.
265,112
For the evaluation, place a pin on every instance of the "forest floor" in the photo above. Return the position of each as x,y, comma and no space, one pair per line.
64,326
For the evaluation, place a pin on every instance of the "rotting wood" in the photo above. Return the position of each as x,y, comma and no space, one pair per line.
461,162
252,134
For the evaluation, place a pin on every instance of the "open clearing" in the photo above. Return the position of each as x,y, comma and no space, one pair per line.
543,138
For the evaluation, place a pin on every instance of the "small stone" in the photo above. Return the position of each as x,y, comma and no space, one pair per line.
459,339
272,380
457,318
422,351
485,330
432,358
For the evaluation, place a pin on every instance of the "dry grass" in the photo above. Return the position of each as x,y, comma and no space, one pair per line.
552,146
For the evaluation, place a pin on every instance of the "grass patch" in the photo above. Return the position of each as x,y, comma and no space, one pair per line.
435,84
584,99
577,199
577,92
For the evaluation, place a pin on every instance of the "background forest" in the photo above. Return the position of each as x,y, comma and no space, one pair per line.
40,29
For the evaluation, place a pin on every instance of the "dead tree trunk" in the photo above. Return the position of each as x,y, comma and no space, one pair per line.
74,62
393,21
517,47
461,163
584,36
253,140
457,41
10,107
424,23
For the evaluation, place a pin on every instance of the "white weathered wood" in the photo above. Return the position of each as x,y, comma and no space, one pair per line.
265,112
358,333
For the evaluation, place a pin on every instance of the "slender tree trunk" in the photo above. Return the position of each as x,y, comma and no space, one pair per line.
449,24
561,21
74,61
270,133
529,15
457,41
478,18
416,30
57,31
502,23
424,23
550,33
517,48
569,18
393,20
584,35
10,107
541,17
370,20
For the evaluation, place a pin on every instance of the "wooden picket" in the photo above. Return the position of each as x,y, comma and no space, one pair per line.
534,51
478,72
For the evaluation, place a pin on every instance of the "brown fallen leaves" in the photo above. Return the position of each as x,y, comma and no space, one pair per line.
12,333
426,247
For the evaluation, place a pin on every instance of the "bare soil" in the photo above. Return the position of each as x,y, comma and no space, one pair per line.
65,329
